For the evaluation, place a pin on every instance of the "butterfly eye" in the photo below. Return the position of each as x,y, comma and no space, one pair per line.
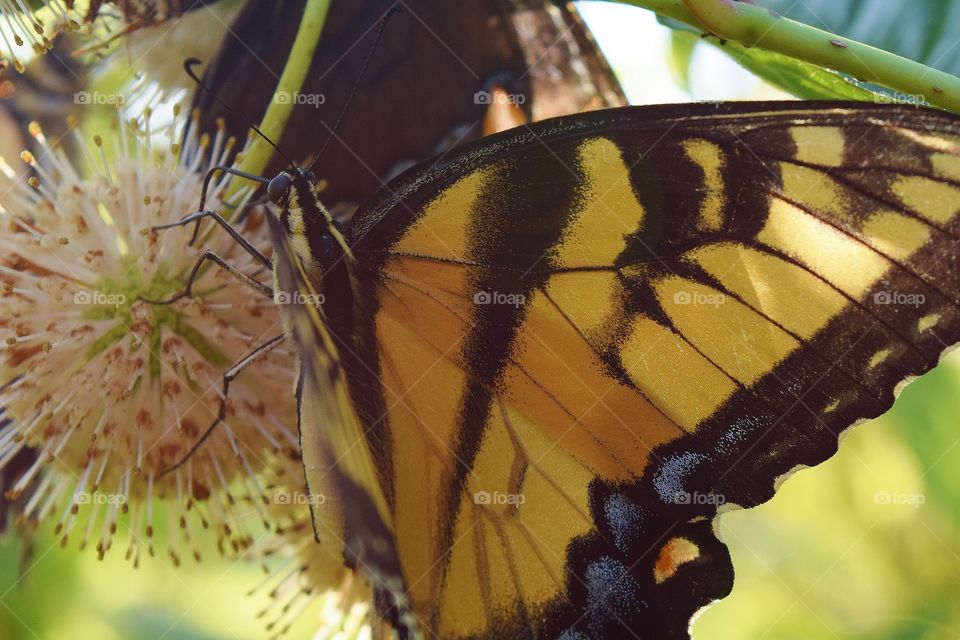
277,188
312,177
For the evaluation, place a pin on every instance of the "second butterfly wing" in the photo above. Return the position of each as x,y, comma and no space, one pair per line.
430,85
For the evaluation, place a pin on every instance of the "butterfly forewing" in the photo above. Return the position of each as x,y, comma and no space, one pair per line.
592,333
333,445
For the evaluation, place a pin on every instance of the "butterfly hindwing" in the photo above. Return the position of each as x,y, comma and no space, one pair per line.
592,333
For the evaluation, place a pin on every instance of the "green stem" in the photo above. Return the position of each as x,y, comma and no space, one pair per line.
274,121
755,26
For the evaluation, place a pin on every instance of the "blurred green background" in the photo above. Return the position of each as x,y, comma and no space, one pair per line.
864,546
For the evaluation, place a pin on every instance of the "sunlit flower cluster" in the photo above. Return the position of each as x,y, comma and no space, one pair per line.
304,573
110,378
114,390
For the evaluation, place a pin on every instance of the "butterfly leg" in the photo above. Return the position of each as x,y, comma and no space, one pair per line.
187,291
216,217
228,377
215,171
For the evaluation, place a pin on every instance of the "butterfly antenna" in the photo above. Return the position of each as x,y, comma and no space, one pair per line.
188,65
343,112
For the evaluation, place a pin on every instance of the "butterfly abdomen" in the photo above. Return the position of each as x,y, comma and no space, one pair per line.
331,268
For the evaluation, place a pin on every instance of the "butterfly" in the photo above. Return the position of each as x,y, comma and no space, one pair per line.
435,71
535,370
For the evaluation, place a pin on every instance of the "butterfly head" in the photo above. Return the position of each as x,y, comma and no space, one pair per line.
296,196
310,228
290,186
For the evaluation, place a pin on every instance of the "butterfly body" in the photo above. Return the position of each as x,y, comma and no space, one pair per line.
571,344
318,243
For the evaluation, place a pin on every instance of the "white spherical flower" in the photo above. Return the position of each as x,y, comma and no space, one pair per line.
306,580
114,391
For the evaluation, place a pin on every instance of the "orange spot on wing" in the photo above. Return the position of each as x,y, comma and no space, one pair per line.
674,553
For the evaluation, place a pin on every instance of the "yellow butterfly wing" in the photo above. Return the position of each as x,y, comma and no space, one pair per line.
590,334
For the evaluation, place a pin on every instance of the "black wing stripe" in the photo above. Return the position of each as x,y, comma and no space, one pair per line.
851,115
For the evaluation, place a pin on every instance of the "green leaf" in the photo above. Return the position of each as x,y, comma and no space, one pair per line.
802,79
924,31
682,44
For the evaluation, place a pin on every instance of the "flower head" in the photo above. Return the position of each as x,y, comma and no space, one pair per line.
112,389
306,579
